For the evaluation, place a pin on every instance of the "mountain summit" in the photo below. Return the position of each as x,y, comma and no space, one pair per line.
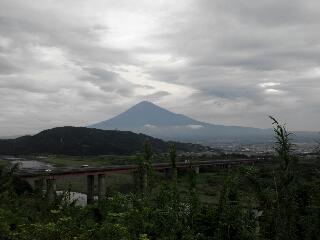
150,119
145,114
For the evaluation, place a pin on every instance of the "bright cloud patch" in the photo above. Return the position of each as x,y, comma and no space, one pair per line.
269,84
273,91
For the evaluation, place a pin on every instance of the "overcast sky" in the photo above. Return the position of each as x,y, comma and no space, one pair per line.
232,62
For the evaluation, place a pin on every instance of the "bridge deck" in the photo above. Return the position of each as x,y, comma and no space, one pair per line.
60,172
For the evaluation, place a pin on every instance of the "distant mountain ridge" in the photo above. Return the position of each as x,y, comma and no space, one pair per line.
150,119
146,113
87,141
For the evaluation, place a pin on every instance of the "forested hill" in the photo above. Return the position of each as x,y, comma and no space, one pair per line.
86,141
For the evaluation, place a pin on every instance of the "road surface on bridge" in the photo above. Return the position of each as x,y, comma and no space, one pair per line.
62,172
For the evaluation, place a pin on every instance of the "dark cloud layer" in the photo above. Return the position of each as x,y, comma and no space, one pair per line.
78,62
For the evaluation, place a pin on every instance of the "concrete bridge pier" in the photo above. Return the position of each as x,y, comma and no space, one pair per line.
167,172
38,185
145,183
101,186
90,189
51,189
197,169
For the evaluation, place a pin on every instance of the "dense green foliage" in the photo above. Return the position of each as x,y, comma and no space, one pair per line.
86,141
272,202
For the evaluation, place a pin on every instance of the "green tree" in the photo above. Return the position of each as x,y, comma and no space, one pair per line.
144,171
173,157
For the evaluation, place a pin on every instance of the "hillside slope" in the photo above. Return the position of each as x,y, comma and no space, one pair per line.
86,141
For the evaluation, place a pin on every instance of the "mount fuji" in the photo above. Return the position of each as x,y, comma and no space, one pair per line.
150,119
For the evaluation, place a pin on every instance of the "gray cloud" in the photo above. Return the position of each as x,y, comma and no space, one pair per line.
108,80
74,63
155,96
7,68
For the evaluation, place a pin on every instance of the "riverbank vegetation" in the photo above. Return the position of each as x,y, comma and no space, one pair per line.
273,201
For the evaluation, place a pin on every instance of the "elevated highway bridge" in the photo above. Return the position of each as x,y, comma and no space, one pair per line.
37,177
